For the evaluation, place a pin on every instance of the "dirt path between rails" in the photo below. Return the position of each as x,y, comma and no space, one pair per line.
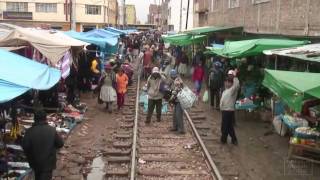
87,141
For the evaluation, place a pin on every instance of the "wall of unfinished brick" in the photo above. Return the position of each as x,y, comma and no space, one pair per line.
287,17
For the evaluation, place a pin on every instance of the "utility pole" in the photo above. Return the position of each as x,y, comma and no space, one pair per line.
180,27
187,14
124,13
73,14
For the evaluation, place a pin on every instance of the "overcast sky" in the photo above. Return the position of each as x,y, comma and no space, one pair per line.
142,8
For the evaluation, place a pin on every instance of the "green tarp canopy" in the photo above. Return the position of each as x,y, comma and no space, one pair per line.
183,39
310,52
211,29
293,87
253,47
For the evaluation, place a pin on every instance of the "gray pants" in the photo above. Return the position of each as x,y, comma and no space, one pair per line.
154,103
178,118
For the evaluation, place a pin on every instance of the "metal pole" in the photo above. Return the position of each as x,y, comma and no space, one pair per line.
135,132
73,14
187,14
124,13
71,18
180,16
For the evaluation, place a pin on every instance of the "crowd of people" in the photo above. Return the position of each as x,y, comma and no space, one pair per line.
163,68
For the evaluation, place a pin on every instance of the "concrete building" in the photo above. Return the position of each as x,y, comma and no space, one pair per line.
154,16
165,15
113,12
121,12
131,16
287,17
178,16
56,13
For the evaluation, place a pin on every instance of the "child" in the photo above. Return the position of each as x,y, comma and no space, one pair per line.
122,84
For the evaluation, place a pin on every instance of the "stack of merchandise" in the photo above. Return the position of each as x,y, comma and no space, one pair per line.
314,111
294,122
245,104
13,163
63,122
306,136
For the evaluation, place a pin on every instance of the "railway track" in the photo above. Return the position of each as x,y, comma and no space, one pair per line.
152,152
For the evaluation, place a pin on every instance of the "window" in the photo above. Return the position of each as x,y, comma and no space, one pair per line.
66,8
92,9
17,6
259,1
233,3
46,7
213,5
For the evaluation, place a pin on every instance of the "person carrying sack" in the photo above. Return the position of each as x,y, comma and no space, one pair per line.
177,85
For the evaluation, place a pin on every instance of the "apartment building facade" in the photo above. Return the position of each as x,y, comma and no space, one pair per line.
56,13
131,15
154,16
286,17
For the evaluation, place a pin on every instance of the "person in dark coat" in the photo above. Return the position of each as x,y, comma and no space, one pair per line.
40,145
215,84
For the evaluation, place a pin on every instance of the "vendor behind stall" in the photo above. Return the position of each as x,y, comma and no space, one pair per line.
40,145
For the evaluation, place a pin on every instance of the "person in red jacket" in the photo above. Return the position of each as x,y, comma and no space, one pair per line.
197,77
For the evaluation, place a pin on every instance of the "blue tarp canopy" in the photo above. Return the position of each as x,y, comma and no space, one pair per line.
19,74
101,39
101,33
120,31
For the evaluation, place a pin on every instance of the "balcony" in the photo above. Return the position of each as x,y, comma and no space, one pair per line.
202,6
17,15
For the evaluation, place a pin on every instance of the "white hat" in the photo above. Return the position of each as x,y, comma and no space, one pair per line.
231,72
155,70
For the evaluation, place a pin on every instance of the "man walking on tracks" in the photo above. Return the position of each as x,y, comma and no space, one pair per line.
154,95
215,84
40,145
227,106
176,86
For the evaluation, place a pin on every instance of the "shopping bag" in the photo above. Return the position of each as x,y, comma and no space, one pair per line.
186,98
205,97
191,71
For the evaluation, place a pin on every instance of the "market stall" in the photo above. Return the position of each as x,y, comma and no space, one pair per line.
12,84
246,55
308,55
21,77
48,46
301,93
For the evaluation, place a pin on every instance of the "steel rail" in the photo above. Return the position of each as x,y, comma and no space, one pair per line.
135,132
212,165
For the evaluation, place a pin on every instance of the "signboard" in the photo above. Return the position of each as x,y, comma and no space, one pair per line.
17,15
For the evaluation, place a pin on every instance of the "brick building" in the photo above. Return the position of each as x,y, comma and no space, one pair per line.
287,17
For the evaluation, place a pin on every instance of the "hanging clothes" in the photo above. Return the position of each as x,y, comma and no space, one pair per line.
65,65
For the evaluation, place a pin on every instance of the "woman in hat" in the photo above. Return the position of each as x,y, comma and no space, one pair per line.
107,92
